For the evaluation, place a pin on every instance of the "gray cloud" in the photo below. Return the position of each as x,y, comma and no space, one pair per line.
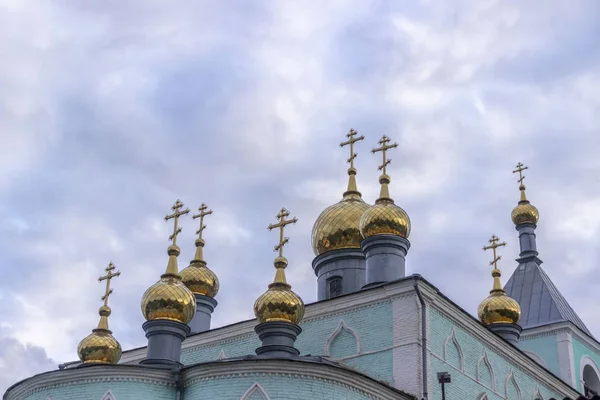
108,114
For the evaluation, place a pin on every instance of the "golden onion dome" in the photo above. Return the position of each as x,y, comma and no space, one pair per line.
525,212
499,308
169,298
384,217
198,277
338,225
100,346
279,302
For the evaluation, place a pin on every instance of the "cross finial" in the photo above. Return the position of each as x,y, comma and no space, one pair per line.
494,245
109,275
351,140
384,148
203,213
176,214
281,225
520,169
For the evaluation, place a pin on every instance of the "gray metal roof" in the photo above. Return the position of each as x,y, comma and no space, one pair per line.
541,302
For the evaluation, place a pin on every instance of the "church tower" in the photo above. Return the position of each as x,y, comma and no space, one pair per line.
340,263
385,228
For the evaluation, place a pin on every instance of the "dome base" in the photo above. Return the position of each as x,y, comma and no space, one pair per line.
385,258
204,308
164,341
278,339
346,264
509,332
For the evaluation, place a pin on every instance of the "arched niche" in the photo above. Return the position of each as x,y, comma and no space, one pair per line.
590,376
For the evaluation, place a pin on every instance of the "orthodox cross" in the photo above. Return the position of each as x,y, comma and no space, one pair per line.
109,275
281,225
520,169
351,140
203,213
494,245
384,148
176,214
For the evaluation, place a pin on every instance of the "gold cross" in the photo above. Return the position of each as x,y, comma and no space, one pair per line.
494,245
109,275
351,140
520,169
384,148
176,214
281,225
203,213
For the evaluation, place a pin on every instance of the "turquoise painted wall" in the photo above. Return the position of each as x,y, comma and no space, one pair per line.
545,347
95,391
465,384
373,326
580,350
276,388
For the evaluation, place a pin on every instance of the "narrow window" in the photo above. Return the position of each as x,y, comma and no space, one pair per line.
335,286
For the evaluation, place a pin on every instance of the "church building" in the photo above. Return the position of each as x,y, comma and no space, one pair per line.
373,333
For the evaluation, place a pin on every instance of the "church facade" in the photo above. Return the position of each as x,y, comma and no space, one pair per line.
374,332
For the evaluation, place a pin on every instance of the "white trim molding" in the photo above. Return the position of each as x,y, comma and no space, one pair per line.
461,358
487,363
334,335
221,355
585,361
511,378
537,395
108,396
255,389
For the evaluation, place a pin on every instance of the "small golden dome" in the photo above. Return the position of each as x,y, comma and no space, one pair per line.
200,279
279,302
385,218
169,299
525,213
338,225
100,346
499,308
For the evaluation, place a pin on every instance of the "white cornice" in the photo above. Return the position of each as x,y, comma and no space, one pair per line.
317,371
92,374
501,347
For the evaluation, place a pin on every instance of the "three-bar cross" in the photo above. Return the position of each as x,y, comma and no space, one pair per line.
494,245
203,213
520,169
109,275
384,148
176,214
351,140
281,225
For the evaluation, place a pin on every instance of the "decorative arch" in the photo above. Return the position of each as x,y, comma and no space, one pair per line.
338,331
221,355
510,379
455,343
482,396
108,396
255,389
536,358
486,363
537,395
589,374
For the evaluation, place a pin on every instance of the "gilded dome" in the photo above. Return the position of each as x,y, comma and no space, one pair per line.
385,218
169,299
499,308
100,346
200,279
338,225
525,213
279,302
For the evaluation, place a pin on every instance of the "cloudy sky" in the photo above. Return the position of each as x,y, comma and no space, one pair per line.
111,111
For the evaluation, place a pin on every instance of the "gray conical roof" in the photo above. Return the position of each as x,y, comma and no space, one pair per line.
541,302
